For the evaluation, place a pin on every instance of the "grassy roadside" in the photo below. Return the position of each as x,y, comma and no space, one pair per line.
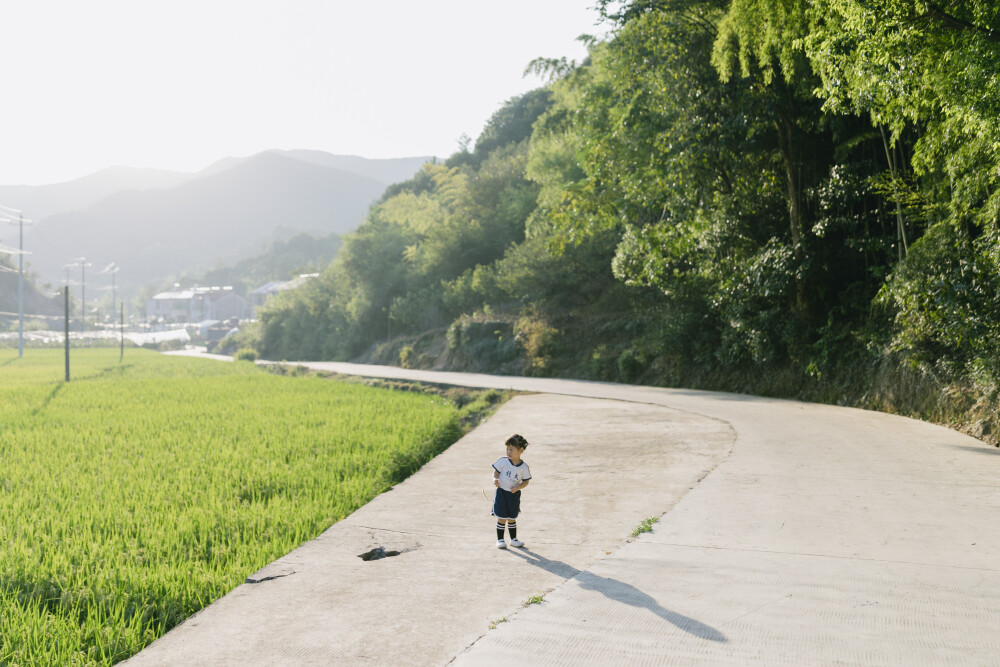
474,405
963,399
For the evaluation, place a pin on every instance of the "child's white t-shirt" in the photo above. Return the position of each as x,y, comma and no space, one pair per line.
511,475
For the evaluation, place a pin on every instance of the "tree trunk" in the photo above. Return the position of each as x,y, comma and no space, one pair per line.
902,245
786,141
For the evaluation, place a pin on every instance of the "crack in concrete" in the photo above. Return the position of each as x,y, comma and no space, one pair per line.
252,580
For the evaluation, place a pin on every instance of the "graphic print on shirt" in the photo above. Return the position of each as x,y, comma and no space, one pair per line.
511,475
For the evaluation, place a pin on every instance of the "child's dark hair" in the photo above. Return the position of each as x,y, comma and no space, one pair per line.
517,441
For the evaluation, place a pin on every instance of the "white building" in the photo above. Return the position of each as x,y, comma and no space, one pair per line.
196,305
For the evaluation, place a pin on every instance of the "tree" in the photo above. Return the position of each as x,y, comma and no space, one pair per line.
647,141
915,66
512,123
763,38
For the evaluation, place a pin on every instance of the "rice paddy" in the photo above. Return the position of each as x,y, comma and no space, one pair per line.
139,492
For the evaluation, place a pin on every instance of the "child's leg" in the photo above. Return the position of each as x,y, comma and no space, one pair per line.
512,528
500,527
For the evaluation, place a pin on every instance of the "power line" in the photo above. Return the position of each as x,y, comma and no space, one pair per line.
7,250
44,317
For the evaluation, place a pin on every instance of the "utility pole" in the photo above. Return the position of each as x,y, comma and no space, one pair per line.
20,286
20,275
83,293
83,264
112,268
67,331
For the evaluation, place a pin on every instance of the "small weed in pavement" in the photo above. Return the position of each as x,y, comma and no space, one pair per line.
645,526
534,599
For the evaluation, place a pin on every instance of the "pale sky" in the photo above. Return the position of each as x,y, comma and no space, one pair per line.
179,84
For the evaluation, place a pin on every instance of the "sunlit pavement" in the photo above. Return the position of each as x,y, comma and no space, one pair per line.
789,533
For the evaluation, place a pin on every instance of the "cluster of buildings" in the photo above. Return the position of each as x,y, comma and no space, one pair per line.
197,304
208,306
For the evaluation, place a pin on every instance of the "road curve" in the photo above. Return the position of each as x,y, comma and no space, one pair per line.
789,533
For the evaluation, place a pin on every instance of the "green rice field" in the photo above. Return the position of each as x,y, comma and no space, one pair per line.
139,492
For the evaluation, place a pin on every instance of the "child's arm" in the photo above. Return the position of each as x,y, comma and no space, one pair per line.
496,478
520,486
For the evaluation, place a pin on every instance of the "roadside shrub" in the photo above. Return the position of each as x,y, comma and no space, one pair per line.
540,343
631,364
482,342
246,354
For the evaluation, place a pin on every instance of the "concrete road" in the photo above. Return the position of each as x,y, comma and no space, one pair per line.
789,533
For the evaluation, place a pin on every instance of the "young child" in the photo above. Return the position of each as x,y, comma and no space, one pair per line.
510,475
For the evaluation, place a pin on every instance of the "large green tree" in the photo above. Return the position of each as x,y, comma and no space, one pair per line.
929,70
731,194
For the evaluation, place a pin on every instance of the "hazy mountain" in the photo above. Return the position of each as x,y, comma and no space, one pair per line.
229,211
388,171
40,201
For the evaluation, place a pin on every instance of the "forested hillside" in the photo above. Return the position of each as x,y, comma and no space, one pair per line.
38,302
283,260
793,197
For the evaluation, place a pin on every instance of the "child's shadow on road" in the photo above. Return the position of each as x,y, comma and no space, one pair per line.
622,592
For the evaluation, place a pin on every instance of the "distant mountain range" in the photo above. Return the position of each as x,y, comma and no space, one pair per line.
155,224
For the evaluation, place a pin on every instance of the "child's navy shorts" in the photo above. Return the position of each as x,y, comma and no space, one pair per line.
506,505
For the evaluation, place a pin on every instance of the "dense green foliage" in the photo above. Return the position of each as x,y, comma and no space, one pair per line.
778,196
139,492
